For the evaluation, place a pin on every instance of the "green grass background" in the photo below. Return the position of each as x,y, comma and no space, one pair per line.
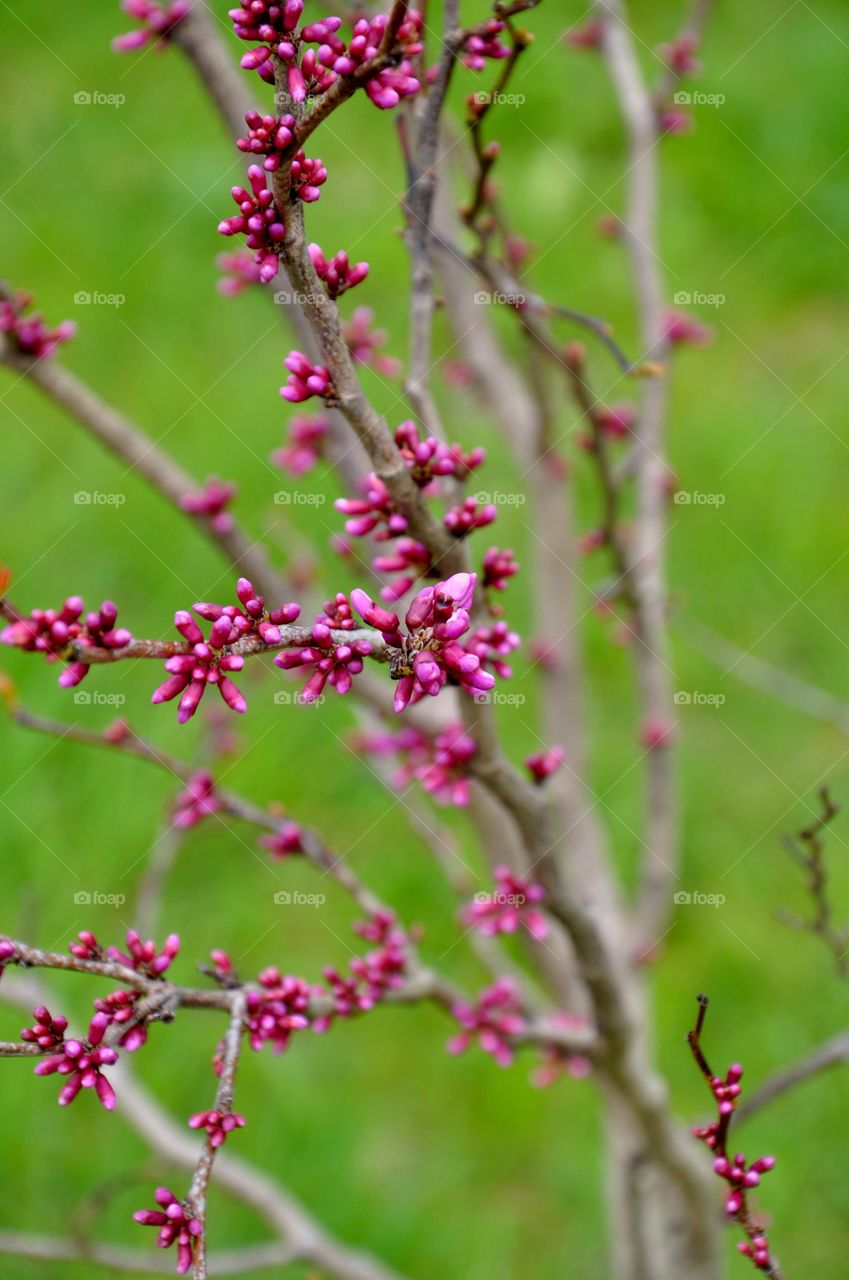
445,1167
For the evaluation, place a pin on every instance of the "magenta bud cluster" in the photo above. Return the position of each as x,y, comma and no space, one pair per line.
430,458
144,956
267,136
259,222
542,765
82,1062
53,631
511,905
29,334
492,1021
212,502
337,274
304,445
364,343
197,800
498,568
334,664
306,379
217,1124
159,22
176,1226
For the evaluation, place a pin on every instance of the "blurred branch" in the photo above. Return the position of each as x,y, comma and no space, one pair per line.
252,1257
808,850
126,441
833,1053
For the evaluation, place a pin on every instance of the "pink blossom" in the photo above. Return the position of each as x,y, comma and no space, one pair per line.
374,512
174,1218
281,1007
656,732
212,501
680,54
218,1124
306,379
618,419
493,1020
159,23
409,558
120,1007
308,176
249,617
498,568
492,645
271,26
389,86
557,1061
440,764
80,1060
332,663
204,663
509,907
29,334
545,763
675,120
47,1032
485,44
197,801
287,840
303,448
470,515
144,957
52,632
337,274
87,947
259,222
430,458
679,329
239,271
588,36
268,136
363,342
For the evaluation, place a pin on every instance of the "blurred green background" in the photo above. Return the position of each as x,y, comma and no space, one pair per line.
445,1167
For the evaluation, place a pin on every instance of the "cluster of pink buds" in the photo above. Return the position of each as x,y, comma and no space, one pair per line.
492,645
176,1223
267,136
679,329
509,907
493,1020
680,54
758,1250
390,85
410,559
306,380
284,842
468,516
588,36
545,763
430,458
618,420
249,617
47,1032
382,969
558,1062
81,1061
374,512
429,654
272,27
51,631
334,664
198,800
204,664
484,44
304,446
239,272
308,177
158,23
440,764
144,957
218,1124
279,1009
7,953
29,333
120,1007
675,120
212,502
86,947
259,222
338,274
498,568
740,1177
364,343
